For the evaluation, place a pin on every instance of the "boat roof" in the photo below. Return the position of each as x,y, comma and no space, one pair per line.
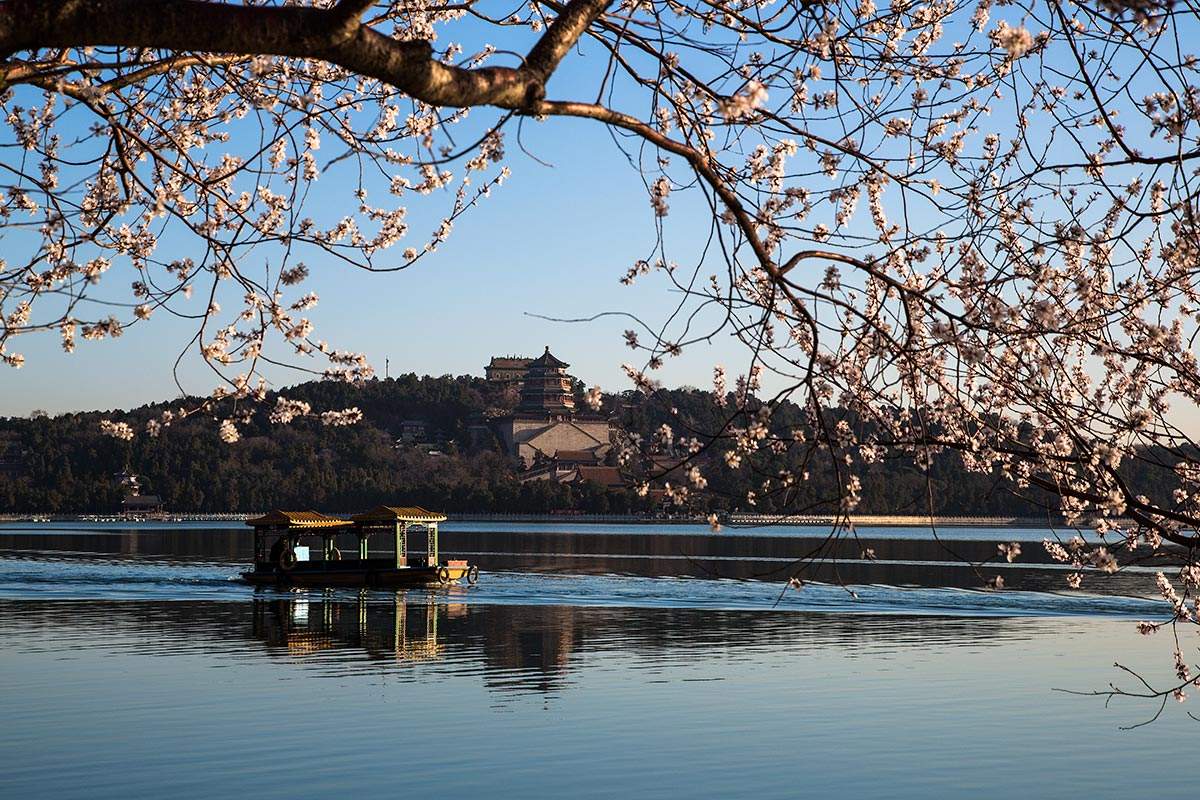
296,519
399,514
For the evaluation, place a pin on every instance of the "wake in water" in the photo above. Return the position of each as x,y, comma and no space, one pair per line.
59,578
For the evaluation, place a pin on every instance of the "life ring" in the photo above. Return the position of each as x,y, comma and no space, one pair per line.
287,559
472,575
443,575
335,554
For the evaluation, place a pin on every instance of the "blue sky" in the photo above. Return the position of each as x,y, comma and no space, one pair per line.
553,240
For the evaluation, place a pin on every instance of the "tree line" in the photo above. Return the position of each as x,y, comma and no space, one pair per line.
64,464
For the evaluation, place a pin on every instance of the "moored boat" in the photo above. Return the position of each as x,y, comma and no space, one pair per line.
282,558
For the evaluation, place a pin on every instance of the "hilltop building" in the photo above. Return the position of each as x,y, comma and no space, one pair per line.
507,370
547,432
546,387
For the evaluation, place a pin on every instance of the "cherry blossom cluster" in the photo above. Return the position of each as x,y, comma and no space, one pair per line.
146,182
945,233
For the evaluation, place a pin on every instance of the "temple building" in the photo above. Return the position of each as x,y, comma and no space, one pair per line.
546,424
546,387
507,370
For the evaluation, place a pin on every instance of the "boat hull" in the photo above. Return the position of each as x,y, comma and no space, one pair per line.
362,577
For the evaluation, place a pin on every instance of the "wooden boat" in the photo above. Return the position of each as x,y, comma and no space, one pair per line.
280,558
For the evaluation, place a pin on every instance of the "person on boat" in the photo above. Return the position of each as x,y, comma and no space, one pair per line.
277,550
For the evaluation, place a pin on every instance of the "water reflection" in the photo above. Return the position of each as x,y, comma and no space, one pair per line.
512,647
420,693
515,648
302,627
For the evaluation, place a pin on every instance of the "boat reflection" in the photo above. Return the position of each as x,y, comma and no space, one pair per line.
512,651
520,648
536,648
407,632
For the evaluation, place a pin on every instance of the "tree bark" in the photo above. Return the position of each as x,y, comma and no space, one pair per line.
335,35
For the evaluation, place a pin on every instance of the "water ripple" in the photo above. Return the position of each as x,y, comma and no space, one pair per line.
58,578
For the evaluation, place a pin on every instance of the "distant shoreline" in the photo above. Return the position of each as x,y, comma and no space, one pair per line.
733,520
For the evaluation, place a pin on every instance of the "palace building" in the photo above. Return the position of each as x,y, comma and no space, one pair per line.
507,369
546,423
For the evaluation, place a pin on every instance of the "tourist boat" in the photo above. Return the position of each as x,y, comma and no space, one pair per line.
282,559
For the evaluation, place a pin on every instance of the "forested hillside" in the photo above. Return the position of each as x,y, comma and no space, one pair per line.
65,464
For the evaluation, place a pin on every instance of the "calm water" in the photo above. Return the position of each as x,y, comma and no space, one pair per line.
964,533
136,674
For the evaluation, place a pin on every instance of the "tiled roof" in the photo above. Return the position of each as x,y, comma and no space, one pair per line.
399,514
296,519
510,362
547,359
605,476
578,455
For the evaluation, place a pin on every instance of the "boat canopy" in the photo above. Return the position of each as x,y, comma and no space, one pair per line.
285,559
393,514
297,519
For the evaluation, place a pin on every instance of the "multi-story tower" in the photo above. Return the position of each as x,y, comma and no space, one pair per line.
546,388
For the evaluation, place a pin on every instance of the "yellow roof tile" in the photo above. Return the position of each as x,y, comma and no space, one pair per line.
297,519
399,514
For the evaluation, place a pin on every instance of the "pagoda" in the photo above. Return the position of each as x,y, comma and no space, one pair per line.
546,388
546,428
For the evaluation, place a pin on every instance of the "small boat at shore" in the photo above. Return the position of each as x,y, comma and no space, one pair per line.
282,557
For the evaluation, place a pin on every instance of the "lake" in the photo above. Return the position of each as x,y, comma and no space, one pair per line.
134,663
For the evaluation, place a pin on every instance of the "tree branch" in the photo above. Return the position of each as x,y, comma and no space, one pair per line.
334,35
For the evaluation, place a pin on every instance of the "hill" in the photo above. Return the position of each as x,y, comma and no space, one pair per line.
63,464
